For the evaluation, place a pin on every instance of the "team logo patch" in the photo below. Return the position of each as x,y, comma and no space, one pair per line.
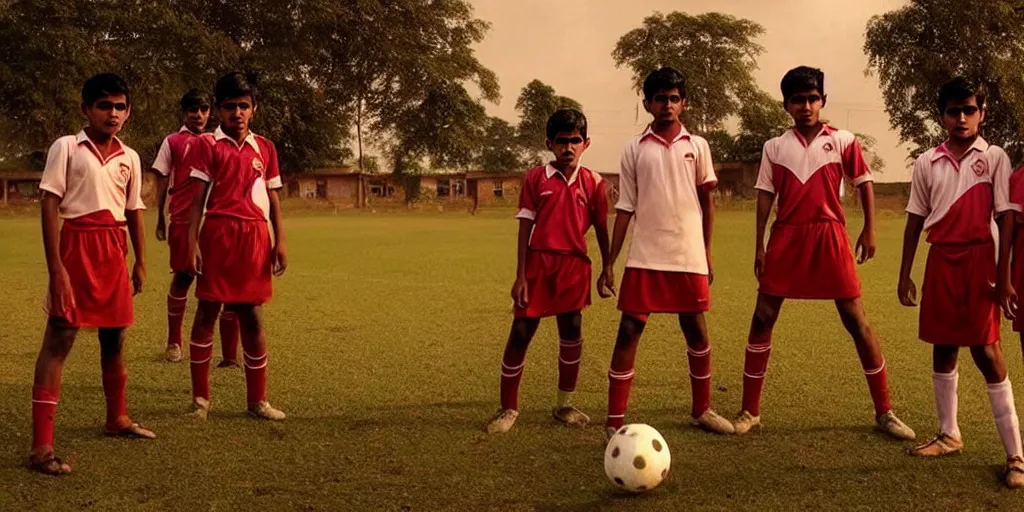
690,157
257,164
828,146
126,171
980,167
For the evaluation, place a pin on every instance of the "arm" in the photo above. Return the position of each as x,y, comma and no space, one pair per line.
1007,292
765,200
280,251
195,217
161,194
61,299
866,244
707,207
136,228
520,293
906,289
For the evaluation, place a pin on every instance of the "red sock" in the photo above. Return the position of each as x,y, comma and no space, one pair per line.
44,413
255,378
175,315
115,381
229,336
512,364
619,385
199,353
570,353
755,366
700,379
878,383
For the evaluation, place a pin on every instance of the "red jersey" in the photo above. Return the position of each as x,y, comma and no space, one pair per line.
241,175
806,175
562,209
171,162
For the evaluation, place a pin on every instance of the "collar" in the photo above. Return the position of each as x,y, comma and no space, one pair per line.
184,129
250,139
980,144
118,146
549,171
825,130
649,132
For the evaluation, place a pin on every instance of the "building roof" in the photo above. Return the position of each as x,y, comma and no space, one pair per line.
336,171
476,175
21,175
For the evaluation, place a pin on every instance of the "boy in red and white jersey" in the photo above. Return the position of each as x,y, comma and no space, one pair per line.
955,191
93,183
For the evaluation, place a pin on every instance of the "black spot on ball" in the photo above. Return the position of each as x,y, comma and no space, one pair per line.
620,482
639,462
656,444
623,430
615,452
664,473
642,488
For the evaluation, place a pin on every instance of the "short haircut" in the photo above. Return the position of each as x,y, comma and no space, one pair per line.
105,84
235,85
961,89
802,79
194,98
566,120
662,80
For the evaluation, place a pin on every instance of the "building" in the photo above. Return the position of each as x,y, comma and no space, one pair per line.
20,186
343,186
494,189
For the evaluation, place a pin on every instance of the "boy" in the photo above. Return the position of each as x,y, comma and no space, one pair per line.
808,255
92,181
237,260
171,170
954,191
665,183
558,204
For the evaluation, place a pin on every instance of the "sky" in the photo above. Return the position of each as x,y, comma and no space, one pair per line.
568,44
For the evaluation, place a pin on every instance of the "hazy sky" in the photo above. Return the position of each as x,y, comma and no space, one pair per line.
567,44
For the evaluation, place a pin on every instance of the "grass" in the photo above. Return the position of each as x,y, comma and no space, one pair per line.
385,340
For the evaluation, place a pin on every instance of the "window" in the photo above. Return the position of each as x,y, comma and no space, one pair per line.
443,188
380,189
459,186
499,188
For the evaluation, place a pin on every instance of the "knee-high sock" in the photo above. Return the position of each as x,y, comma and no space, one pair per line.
570,353
1005,412
755,366
700,379
946,403
229,335
44,413
878,384
176,303
200,352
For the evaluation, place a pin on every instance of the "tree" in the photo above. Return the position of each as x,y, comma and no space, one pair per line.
717,53
500,151
868,146
761,118
915,49
536,102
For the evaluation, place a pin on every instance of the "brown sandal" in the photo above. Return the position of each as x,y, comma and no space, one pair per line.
48,464
132,431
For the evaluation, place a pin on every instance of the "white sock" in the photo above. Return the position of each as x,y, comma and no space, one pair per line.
945,385
1005,412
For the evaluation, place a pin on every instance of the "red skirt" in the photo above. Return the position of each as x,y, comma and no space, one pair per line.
93,250
555,284
1018,273
958,298
809,261
177,239
236,261
646,291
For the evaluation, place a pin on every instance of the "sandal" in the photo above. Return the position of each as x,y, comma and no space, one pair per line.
48,464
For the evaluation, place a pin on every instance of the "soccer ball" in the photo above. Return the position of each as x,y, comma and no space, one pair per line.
636,458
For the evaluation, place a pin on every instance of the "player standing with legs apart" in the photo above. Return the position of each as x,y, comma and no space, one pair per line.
93,182
558,204
173,173
666,182
808,255
955,190
235,259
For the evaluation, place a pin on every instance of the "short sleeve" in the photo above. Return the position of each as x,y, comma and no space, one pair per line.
200,159
855,168
765,174
528,198
920,189
599,202
133,201
1001,171
273,175
627,179
163,163
55,174
706,178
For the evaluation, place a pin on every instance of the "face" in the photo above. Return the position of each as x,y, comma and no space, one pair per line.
963,118
197,117
235,113
568,147
666,106
108,114
805,107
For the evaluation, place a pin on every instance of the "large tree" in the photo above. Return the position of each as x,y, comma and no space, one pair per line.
916,48
536,102
499,150
717,53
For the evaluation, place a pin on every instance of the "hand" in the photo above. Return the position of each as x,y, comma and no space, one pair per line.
907,292
1008,301
138,278
865,246
195,259
606,283
520,295
161,230
758,262
62,299
280,259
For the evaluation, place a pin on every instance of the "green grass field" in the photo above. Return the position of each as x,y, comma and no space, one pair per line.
385,340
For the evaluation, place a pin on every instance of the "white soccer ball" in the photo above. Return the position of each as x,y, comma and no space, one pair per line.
637,458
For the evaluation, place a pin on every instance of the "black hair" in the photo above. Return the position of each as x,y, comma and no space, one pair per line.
235,85
105,84
802,79
961,89
662,80
566,120
194,98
